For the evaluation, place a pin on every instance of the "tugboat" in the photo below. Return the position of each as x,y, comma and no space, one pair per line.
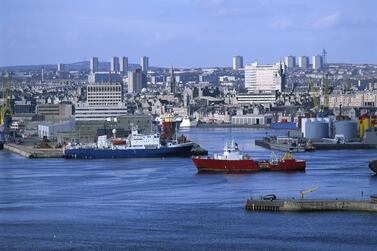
233,160
373,165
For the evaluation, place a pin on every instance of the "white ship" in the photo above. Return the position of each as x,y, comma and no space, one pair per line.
189,122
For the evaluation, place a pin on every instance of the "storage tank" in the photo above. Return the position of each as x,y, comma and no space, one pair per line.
303,124
346,127
316,130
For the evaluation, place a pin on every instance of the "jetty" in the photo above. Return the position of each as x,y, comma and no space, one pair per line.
28,151
310,205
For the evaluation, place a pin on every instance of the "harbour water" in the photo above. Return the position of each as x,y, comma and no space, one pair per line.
163,204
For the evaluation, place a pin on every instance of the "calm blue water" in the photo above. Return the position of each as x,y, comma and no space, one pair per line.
163,204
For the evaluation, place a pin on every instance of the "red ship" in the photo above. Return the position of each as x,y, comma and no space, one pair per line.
234,161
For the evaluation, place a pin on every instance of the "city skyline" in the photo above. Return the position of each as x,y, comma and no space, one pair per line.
186,33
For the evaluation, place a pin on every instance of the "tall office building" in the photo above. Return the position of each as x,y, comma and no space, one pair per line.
104,94
123,65
290,61
115,64
104,77
264,78
104,101
317,62
136,81
93,64
172,83
144,63
237,62
61,67
303,62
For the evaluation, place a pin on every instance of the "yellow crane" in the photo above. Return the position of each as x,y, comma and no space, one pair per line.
325,91
302,193
313,94
6,108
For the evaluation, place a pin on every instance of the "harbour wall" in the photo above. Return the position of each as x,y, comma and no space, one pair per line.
311,205
29,152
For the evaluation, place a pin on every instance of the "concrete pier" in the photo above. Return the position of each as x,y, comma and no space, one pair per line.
30,152
303,205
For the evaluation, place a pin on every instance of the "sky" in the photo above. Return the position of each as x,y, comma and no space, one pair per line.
186,33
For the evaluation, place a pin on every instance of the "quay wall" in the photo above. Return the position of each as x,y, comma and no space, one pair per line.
29,152
311,205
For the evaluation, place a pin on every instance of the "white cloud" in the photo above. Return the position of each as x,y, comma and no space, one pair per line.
329,21
282,23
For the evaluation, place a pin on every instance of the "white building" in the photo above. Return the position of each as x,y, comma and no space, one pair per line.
303,62
256,98
123,65
50,130
263,78
104,94
87,112
115,64
358,99
237,62
61,67
317,62
144,63
93,64
290,62
103,101
252,119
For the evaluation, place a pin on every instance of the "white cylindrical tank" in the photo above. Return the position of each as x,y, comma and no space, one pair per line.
348,128
303,124
316,130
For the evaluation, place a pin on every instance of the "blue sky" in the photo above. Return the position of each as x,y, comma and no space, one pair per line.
186,33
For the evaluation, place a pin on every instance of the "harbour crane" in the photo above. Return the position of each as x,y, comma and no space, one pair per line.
6,108
325,92
302,193
313,94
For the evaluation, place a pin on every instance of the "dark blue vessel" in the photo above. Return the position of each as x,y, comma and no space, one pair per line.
179,150
135,146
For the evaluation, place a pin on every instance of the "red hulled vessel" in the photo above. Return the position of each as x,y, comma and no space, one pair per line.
234,161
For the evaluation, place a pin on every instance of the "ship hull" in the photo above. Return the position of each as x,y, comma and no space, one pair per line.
373,165
183,150
289,165
216,165
225,166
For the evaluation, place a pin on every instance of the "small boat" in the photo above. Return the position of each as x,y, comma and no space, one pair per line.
189,122
373,165
233,160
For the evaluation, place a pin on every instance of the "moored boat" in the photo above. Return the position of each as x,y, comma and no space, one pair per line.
233,160
189,122
134,146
